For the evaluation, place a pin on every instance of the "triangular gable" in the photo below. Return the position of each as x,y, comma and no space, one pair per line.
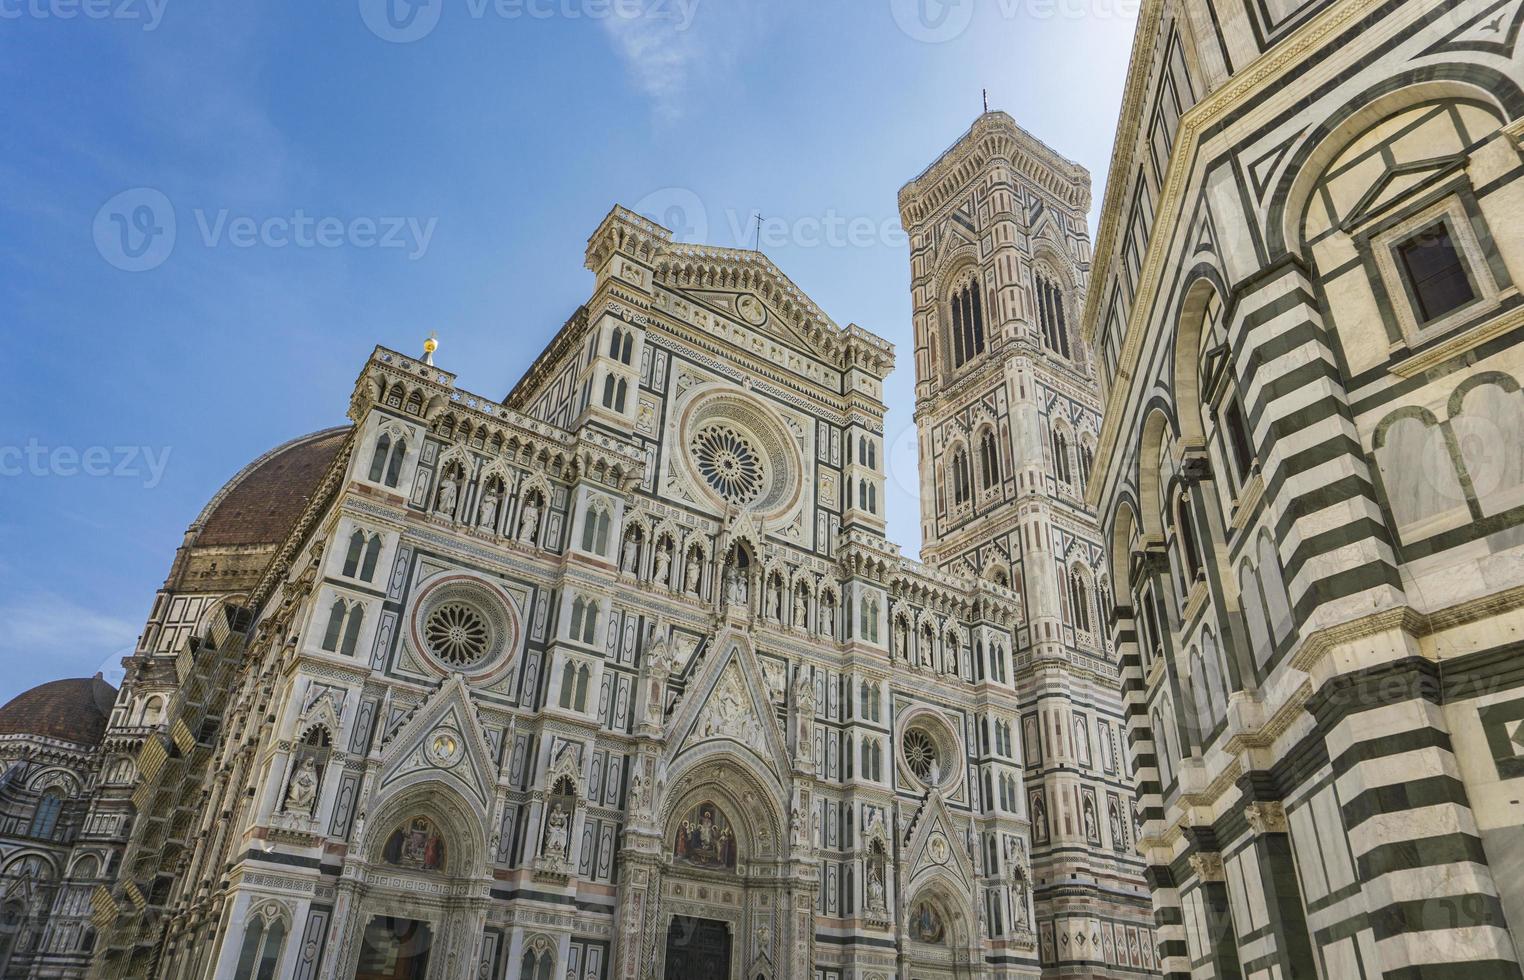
727,700
932,858
421,749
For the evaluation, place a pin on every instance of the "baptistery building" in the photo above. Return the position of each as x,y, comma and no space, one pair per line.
1310,478
617,675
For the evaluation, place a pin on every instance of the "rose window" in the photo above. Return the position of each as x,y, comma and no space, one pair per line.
457,635
729,462
921,755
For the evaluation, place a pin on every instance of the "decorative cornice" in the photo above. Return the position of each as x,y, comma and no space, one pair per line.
994,135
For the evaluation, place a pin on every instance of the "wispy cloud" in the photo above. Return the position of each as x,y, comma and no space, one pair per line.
49,636
666,52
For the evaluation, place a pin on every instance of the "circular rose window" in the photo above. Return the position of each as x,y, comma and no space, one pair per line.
457,635
740,453
463,624
921,755
729,462
930,751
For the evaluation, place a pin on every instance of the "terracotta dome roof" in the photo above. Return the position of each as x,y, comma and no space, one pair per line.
73,710
262,503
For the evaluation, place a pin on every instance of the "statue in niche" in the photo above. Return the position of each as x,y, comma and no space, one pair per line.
902,638
804,702
878,899
529,522
777,602
801,610
663,565
692,572
301,795
735,586
490,504
557,832
631,555
449,494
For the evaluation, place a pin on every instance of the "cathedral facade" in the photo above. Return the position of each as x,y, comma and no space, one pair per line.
618,676
1310,480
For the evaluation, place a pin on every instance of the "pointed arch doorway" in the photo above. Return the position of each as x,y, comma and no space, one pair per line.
395,949
698,949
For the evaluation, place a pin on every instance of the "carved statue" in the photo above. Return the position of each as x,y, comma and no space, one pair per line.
557,832
804,704
449,493
301,795
637,792
735,586
631,555
691,575
877,899
801,610
529,522
663,566
489,510
777,604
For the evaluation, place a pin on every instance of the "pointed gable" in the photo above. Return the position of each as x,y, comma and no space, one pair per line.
443,740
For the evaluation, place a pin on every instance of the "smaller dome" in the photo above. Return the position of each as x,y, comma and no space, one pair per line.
73,711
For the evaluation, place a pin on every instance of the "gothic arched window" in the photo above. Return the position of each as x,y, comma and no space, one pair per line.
45,818
1051,316
967,322
960,478
386,462
595,530
262,945
989,458
1061,456
343,633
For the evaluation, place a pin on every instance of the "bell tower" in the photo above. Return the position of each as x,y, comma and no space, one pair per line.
1007,414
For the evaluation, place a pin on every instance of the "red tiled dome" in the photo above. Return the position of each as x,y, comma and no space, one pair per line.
261,504
73,710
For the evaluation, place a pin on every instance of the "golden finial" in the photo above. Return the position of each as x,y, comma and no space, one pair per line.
429,347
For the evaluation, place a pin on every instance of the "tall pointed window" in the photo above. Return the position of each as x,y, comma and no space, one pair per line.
386,462
989,458
1051,316
961,491
967,322
1061,456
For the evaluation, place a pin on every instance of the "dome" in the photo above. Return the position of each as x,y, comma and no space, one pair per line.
262,503
72,711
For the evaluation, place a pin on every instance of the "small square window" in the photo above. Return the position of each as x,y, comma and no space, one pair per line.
1435,272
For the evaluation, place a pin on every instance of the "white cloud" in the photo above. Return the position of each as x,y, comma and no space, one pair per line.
62,638
664,49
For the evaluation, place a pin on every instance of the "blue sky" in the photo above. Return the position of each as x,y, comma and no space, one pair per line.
339,175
